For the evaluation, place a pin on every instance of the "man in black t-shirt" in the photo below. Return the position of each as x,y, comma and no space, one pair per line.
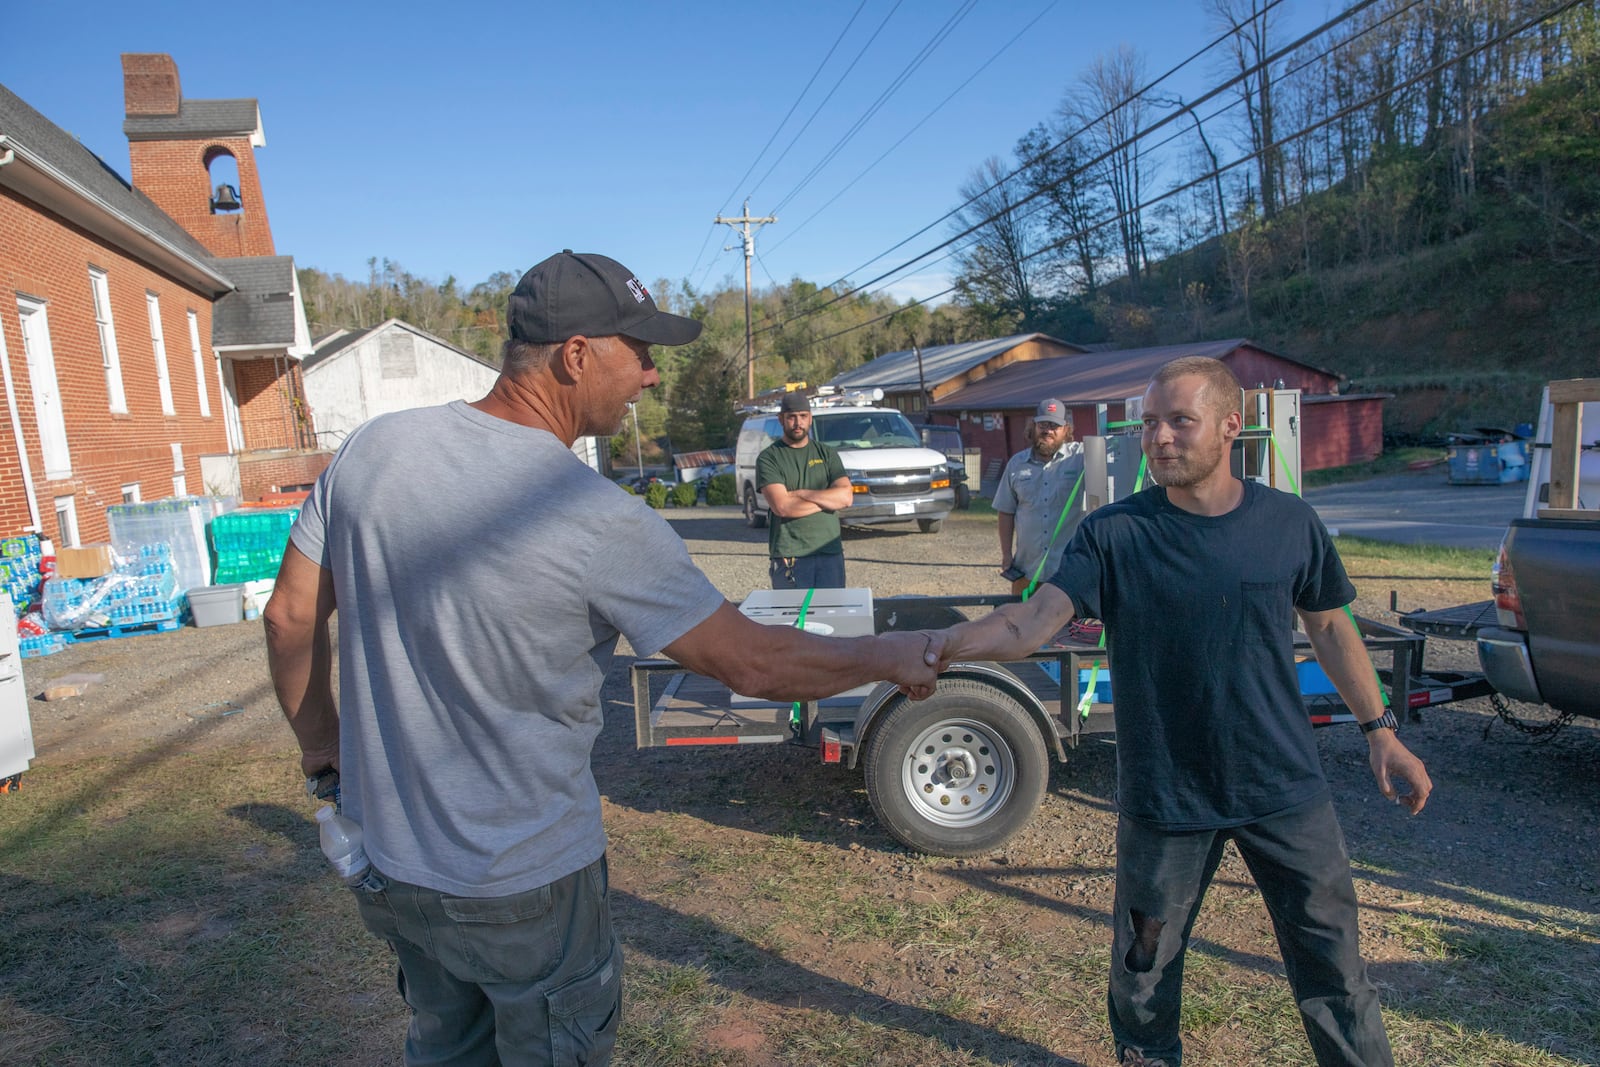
805,486
1198,580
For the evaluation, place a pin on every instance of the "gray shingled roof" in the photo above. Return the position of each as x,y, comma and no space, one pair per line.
41,137
196,119
898,370
335,343
261,312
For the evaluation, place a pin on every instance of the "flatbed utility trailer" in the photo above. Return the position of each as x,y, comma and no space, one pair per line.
959,773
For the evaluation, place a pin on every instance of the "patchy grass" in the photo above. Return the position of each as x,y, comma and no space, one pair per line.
1364,557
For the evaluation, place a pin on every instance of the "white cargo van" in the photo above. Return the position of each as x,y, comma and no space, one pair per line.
894,477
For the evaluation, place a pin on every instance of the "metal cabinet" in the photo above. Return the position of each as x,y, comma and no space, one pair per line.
16,731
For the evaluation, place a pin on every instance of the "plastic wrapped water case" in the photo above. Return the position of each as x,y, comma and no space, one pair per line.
217,605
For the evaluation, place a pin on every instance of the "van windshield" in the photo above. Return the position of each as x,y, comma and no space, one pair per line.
864,429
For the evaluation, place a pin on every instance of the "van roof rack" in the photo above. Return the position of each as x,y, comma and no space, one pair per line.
823,396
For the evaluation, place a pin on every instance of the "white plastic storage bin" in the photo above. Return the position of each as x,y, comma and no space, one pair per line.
217,605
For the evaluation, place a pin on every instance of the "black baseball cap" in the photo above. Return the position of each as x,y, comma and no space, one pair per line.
794,401
574,293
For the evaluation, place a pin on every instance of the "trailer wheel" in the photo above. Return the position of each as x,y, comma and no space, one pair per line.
959,773
930,525
754,517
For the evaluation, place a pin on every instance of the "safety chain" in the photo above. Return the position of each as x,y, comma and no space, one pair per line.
1539,732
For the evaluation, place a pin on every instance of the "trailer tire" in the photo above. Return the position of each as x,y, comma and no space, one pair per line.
957,774
754,517
930,525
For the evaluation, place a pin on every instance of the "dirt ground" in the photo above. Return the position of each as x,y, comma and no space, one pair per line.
1510,836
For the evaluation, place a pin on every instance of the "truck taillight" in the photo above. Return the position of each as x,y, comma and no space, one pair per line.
1507,600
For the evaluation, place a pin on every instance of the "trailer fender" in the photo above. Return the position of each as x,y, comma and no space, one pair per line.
994,674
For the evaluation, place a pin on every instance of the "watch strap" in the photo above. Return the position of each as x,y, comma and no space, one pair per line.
1382,722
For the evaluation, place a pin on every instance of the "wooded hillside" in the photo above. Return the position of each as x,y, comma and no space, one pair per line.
1409,196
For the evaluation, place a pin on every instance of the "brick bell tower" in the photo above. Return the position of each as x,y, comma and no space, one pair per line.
196,158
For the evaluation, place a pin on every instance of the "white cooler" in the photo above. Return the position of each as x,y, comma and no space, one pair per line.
831,613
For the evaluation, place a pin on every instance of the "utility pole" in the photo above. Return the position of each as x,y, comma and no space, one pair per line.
749,250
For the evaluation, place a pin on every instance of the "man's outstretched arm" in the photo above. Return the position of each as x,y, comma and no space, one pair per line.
1009,632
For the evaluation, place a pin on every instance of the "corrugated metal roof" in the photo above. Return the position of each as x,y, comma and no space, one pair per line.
29,129
196,119
703,458
898,370
1092,378
261,311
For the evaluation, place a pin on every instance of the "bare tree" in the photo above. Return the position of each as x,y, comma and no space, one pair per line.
1250,48
1107,106
997,264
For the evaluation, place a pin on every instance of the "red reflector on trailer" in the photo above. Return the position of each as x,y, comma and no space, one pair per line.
1419,699
831,752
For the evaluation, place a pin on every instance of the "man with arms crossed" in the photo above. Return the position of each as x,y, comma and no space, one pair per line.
1198,580
805,487
482,575
1033,491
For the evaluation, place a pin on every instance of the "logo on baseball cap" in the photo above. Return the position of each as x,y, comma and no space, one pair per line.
1051,411
574,293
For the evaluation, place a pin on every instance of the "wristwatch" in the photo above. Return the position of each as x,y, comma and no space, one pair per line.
1386,721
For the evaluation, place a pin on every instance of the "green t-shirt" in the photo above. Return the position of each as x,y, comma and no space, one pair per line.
816,466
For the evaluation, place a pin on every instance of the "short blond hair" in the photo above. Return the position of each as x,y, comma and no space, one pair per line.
1222,388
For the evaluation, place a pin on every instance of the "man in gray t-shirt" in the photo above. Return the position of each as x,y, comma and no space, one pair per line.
1037,486
482,575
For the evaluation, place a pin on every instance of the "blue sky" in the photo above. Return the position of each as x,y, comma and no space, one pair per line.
468,138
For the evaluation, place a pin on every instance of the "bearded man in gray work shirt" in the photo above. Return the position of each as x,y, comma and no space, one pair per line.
1033,490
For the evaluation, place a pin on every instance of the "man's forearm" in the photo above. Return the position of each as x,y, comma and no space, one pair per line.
1011,631
301,664
1344,659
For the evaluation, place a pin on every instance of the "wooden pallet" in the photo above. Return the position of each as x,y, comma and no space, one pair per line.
137,629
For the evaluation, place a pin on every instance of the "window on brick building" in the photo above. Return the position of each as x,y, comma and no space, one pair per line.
41,357
199,365
159,344
66,522
130,493
101,288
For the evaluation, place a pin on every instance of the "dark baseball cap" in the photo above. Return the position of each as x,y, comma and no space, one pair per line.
574,293
794,401
1051,411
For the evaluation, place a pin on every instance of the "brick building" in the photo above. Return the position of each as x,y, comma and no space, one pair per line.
150,337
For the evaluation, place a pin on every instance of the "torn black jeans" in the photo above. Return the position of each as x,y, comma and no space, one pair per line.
1299,862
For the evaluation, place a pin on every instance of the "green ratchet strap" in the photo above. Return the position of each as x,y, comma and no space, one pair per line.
1038,572
1283,460
800,624
1094,669
1382,692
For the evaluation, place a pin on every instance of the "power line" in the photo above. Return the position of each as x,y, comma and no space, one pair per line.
809,82
900,79
937,108
1108,153
818,110
1247,157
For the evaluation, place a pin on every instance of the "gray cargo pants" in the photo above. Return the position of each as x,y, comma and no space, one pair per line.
528,980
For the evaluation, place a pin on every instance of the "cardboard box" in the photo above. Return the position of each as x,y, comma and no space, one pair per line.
86,561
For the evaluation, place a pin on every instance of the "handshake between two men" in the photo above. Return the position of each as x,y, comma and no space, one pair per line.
782,663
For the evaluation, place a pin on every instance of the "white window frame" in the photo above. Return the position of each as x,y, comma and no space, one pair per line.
199,365
66,509
180,485
100,289
158,344
130,493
